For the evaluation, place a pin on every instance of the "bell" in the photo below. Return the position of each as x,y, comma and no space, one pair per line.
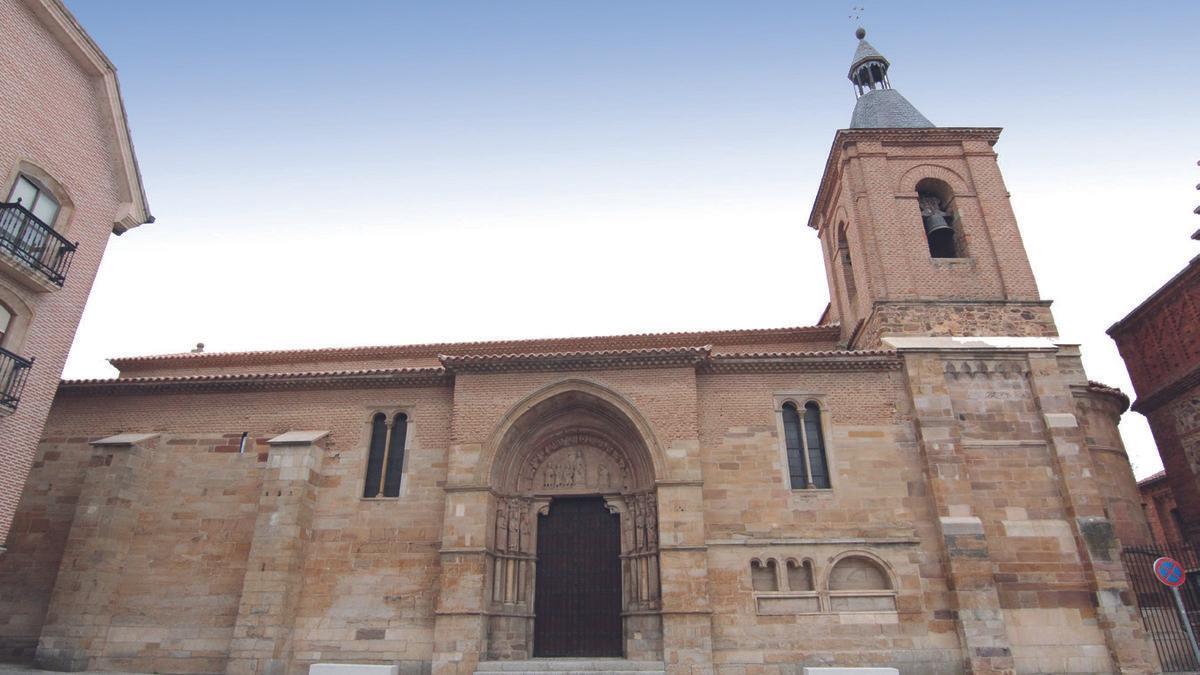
935,223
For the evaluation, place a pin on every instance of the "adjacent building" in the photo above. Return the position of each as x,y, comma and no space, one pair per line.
70,180
1158,503
1160,343
925,480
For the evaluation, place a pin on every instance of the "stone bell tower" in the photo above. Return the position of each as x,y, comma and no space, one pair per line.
916,227
923,256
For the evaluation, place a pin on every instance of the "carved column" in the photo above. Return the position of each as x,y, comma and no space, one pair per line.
81,605
262,634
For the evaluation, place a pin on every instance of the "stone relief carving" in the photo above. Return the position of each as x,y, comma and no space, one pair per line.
577,468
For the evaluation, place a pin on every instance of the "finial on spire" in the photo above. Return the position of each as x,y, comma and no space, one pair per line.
879,106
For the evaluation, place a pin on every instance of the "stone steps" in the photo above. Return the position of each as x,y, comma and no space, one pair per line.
572,667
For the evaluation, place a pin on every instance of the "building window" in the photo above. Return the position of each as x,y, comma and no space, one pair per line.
385,456
36,199
804,440
943,231
795,446
6,319
843,253
814,439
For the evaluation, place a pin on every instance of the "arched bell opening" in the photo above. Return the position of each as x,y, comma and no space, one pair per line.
581,451
939,216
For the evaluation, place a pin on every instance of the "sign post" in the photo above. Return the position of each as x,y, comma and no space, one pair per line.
1170,573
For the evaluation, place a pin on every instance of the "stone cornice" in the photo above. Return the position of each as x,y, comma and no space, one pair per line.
581,360
346,379
829,361
134,209
843,137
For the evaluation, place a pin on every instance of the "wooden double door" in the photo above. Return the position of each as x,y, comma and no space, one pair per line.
577,601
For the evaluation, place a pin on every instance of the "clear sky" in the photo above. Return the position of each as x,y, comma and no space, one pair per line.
384,172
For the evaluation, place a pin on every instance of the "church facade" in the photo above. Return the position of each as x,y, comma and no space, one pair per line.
925,480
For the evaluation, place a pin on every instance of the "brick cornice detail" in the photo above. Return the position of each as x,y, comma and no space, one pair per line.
845,137
773,362
346,379
581,360
1147,404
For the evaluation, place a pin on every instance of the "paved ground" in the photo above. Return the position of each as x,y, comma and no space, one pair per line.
27,669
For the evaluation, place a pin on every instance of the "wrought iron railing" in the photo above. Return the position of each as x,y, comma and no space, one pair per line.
34,244
1160,616
13,371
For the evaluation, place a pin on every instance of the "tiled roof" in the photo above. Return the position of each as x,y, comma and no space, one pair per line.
381,377
1154,477
431,350
1101,388
578,360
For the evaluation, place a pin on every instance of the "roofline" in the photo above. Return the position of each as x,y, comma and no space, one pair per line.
63,24
436,349
1157,295
1152,478
842,136
698,357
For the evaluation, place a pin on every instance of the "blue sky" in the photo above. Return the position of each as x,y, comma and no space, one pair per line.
378,172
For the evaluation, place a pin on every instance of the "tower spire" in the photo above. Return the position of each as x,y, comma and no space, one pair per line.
878,106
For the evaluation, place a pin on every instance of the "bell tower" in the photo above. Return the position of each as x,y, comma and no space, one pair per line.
918,235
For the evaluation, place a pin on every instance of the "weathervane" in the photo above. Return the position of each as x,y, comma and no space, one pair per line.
856,14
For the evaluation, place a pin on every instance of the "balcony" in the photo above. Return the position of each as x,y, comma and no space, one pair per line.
32,248
13,371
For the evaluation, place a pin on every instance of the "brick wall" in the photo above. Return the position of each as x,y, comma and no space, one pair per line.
53,116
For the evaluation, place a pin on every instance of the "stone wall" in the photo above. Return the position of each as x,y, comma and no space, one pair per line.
955,319
950,489
368,574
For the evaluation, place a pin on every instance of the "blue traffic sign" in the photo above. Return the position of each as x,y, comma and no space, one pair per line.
1170,572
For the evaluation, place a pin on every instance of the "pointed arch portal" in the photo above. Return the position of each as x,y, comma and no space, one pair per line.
573,565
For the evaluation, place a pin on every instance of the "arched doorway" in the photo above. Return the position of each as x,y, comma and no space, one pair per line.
572,564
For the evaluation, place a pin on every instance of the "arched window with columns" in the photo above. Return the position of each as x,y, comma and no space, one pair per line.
804,443
385,456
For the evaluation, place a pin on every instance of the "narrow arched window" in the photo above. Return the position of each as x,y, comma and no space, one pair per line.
395,456
795,447
818,469
376,452
943,231
385,456
843,245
